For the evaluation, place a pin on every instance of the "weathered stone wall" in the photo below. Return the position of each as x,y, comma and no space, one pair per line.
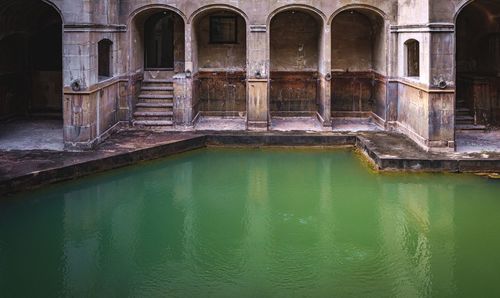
220,68
372,49
294,54
294,42
216,56
220,93
89,115
358,63
413,112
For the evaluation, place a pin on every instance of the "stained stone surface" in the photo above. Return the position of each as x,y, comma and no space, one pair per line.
296,124
478,141
208,123
25,169
32,135
354,124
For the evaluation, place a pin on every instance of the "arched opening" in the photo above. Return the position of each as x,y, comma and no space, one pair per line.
158,42
359,66
220,61
31,75
104,53
158,53
295,42
412,58
478,66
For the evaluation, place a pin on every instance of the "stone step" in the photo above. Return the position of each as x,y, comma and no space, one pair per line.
463,113
157,88
154,105
156,96
153,101
158,81
162,118
156,93
464,117
158,123
467,122
469,127
154,114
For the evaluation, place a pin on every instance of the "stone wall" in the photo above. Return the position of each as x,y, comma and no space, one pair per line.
220,93
362,45
220,56
359,65
91,115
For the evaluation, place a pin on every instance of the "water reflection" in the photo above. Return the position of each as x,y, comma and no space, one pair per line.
223,223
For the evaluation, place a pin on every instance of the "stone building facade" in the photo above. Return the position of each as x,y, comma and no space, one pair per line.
423,67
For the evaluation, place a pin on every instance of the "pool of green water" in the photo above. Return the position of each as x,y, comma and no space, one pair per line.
254,223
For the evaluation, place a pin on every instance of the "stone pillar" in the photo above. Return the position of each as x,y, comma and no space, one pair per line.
183,83
442,97
324,78
258,78
183,108
79,111
392,82
258,104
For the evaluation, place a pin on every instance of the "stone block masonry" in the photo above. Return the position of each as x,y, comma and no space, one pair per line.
407,64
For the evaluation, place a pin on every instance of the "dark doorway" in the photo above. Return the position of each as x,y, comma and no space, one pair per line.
30,60
31,79
159,41
478,66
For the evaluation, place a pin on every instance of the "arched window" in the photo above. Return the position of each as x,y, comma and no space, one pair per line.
104,62
412,58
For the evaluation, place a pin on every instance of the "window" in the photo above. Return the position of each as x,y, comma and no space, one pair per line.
104,58
412,58
223,29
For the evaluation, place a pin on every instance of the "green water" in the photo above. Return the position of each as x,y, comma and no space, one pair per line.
254,223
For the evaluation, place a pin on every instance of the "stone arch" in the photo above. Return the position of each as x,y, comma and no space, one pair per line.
219,67
359,61
461,7
316,13
208,8
296,42
477,64
31,32
149,7
374,9
136,38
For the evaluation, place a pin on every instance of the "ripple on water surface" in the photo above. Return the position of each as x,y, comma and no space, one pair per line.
227,223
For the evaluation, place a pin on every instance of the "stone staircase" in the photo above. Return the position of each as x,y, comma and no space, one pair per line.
155,105
464,119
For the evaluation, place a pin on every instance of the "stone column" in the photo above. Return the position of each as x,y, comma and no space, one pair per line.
183,108
392,82
324,78
258,79
442,85
183,84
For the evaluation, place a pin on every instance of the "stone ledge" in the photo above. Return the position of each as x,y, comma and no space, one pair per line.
26,170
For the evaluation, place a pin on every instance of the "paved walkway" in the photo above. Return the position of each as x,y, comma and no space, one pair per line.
209,123
32,135
478,141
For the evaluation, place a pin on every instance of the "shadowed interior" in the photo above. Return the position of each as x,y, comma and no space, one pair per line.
30,60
